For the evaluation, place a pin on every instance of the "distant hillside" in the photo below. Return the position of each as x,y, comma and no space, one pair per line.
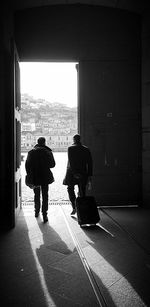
39,109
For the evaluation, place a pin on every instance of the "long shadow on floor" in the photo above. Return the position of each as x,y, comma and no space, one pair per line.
20,280
64,271
121,267
100,287
52,252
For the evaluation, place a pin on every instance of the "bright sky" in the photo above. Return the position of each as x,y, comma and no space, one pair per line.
54,82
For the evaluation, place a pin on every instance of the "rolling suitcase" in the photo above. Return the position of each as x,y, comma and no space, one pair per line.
87,212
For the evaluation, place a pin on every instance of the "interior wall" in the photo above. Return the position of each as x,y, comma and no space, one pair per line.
111,125
6,121
107,45
146,105
77,32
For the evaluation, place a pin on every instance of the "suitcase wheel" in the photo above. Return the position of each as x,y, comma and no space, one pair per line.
87,225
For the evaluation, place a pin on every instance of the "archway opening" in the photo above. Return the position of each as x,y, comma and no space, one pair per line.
49,108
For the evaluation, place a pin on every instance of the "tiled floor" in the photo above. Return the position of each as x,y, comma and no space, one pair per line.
40,265
118,255
61,264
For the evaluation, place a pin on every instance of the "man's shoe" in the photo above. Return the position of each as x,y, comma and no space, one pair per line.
73,212
36,214
45,219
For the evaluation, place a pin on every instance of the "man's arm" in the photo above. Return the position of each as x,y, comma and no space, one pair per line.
52,162
89,164
71,159
28,162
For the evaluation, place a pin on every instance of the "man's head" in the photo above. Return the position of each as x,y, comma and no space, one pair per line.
41,141
76,139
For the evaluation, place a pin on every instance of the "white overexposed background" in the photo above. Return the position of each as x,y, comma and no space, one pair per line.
54,82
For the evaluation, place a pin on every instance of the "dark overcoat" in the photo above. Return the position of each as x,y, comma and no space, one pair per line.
79,164
38,163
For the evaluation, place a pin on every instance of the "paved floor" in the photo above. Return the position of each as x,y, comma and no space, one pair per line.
61,264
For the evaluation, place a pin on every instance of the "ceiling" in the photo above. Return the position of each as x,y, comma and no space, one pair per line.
132,5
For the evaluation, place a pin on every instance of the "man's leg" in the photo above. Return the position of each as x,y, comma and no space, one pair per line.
37,203
72,197
44,202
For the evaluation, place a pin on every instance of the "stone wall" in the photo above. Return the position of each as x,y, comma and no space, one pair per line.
146,105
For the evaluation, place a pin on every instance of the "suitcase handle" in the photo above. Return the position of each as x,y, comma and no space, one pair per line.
88,186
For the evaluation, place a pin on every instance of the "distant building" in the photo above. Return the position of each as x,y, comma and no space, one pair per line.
28,127
56,122
55,142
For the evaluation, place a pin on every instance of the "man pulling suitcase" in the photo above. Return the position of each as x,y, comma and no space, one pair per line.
79,169
79,172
